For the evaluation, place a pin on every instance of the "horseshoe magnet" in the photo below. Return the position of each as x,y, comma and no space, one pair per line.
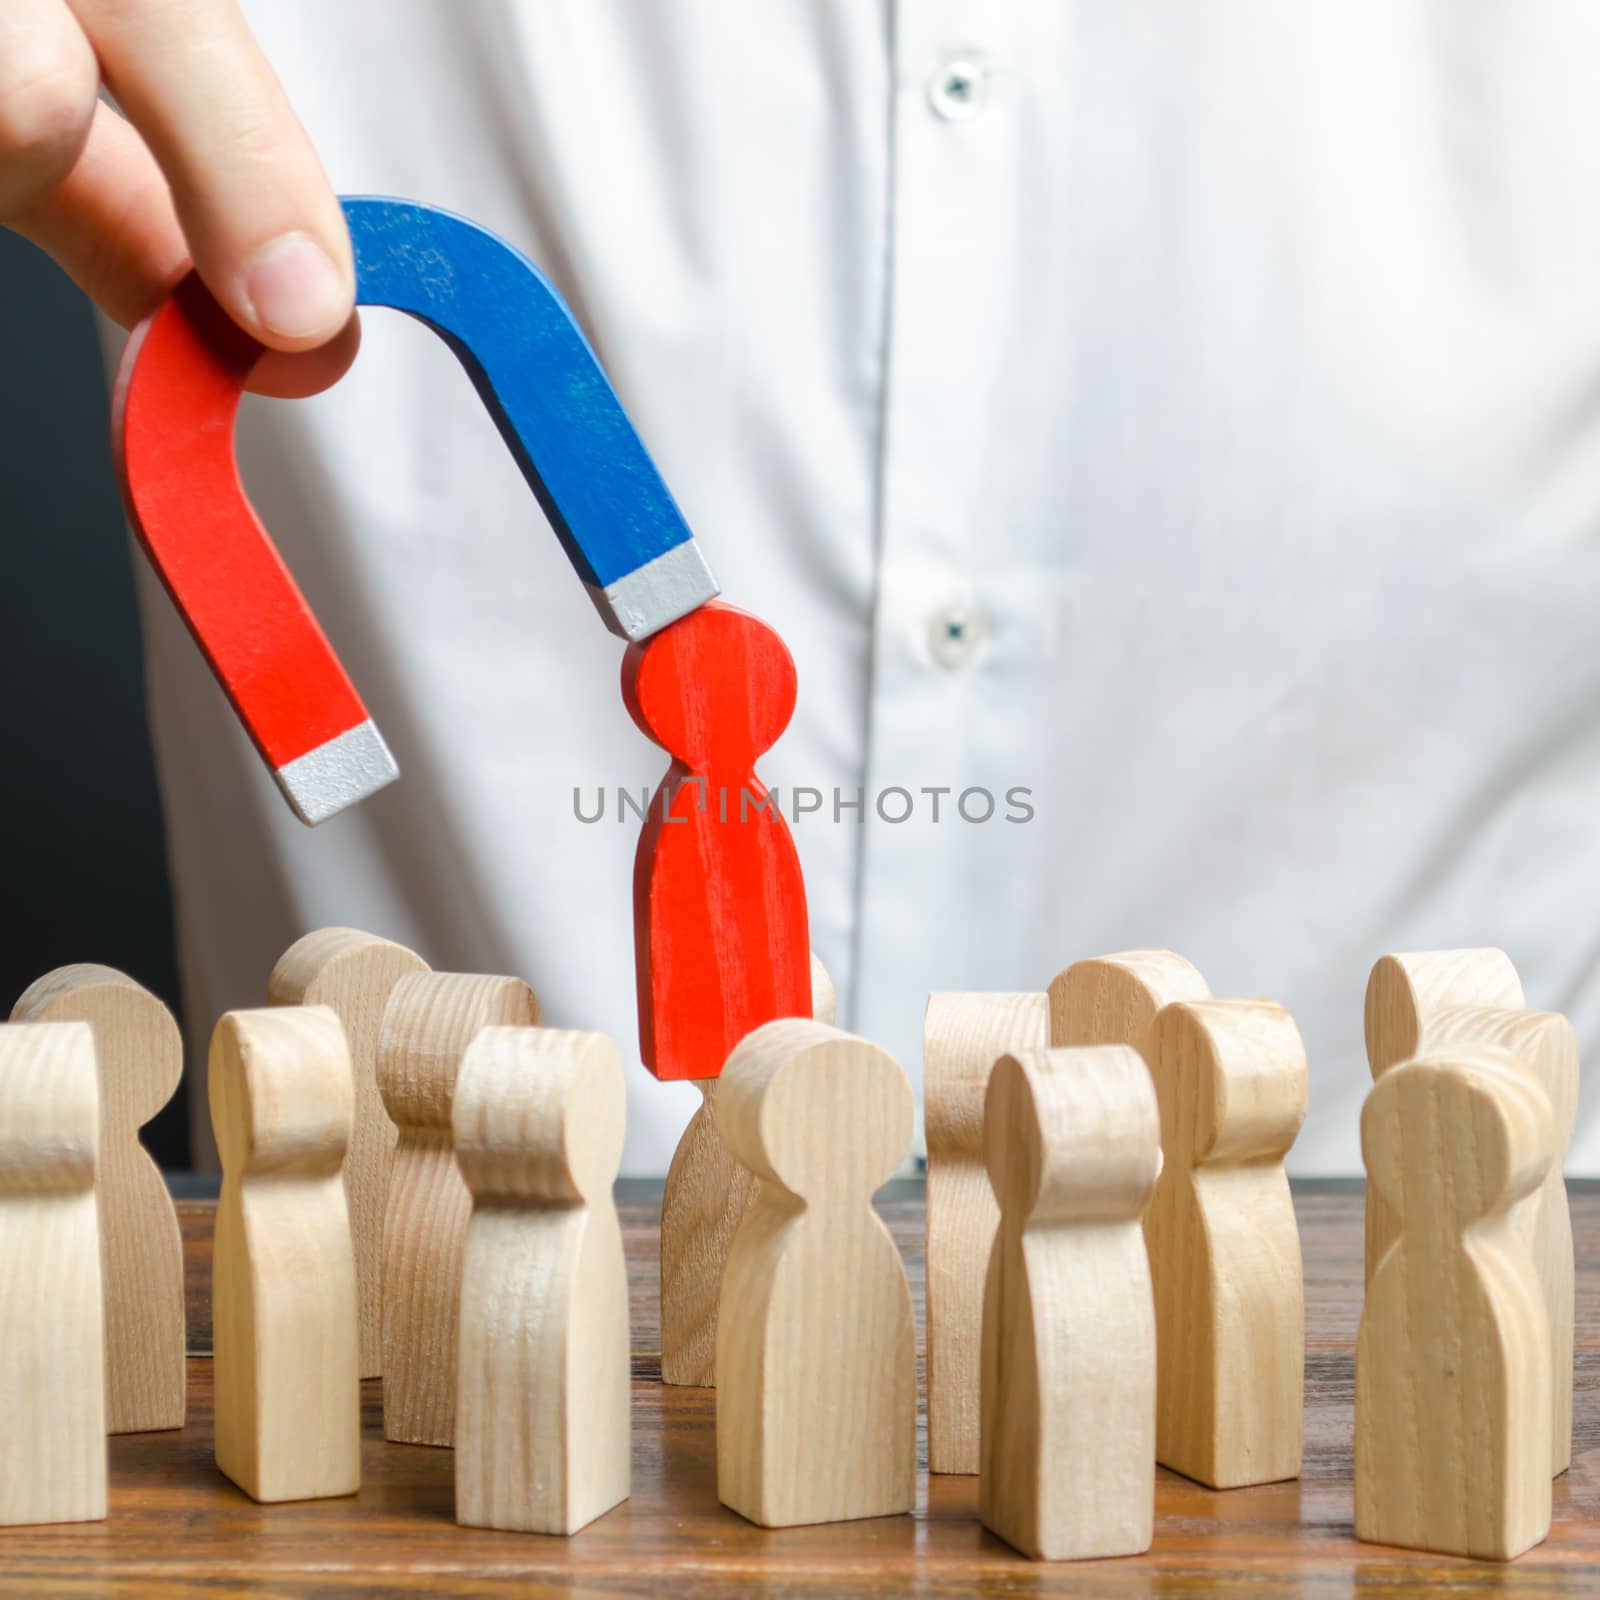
177,394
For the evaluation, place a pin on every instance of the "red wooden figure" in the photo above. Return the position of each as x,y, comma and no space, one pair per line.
719,906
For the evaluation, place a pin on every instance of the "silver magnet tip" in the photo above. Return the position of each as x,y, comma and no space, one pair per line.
645,600
340,773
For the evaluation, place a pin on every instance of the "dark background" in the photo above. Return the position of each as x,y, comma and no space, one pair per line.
80,819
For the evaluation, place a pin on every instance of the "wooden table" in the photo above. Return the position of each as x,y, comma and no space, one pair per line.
178,1528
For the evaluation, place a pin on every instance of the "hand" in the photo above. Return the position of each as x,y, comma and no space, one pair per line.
210,166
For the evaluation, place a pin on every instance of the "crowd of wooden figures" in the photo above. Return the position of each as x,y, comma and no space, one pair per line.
417,1185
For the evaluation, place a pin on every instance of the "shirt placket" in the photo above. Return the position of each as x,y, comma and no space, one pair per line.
935,616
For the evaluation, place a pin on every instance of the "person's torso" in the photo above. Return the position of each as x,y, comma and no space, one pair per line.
1184,416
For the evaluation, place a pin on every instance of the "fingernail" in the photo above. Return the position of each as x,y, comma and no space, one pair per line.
294,290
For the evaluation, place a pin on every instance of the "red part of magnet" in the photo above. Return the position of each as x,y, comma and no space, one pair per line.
177,395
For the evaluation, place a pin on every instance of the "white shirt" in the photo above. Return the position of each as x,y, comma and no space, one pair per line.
1187,414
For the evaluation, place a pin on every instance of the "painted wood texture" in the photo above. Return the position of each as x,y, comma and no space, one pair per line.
542,1408
1231,1081
706,1196
816,1355
1114,999
284,1309
52,1376
177,392
1545,1047
1290,1541
1452,1443
354,973
720,927
139,1064
963,1036
550,398
1071,1144
1402,992
430,1020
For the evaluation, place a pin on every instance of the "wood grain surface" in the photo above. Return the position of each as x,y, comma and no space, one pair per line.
355,973
52,1368
430,1020
1546,1048
963,1035
544,1375
1225,1257
816,1341
707,1194
721,937
139,1063
285,1317
1067,1443
1452,1448
178,1529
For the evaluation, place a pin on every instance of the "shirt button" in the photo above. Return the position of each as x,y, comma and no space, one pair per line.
958,89
956,633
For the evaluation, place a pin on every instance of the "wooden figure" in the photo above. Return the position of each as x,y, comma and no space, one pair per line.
1114,999
822,995
284,1308
139,1063
1546,1048
52,1378
430,1020
177,394
542,1408
284,1317
1452,1442
706,1196
354,973
1069,1327
1231,1082
1402,992
816,1357
720,930
963,1036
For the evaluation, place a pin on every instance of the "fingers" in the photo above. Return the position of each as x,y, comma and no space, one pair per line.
48,82
112,227
244,196
261,221
110,222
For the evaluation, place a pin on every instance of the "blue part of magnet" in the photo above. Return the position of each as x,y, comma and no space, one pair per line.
549,397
